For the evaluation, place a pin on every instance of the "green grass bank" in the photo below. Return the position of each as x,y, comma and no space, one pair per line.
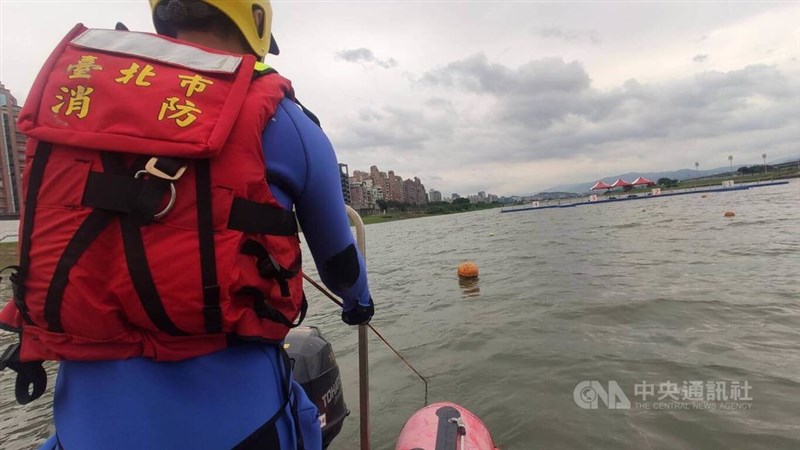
8,254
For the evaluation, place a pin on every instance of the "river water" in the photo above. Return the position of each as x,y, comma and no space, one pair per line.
642,296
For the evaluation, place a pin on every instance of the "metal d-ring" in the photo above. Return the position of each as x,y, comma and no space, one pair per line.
172,195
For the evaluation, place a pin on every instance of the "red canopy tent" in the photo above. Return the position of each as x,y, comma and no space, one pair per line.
621,183
600,185
643,181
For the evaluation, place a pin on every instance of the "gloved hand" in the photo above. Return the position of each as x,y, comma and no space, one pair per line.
359,315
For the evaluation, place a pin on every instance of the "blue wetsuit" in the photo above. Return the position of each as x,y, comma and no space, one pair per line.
217,400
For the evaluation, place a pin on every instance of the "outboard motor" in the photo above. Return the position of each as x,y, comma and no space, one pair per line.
316,370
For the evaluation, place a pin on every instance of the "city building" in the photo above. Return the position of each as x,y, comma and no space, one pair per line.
364,194
396,191
358,195
344,176
381,182
368,188
434,196
360,176
414,192
12,155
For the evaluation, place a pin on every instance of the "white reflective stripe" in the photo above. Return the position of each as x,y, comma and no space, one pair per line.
155,48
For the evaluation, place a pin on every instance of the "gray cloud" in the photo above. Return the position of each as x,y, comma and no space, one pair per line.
439,102
393,127
700,58
706,106
547,108
476,74
366,57
569,35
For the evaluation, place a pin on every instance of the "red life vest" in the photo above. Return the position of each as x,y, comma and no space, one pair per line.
148,227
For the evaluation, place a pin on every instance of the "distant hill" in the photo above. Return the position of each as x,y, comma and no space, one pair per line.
554,195
682,174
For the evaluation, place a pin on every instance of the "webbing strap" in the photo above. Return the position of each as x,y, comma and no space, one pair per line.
149,198
35,177
122,190
88,231
208,261
111,191
136,257
269,268
18,291
265,311
308,113
30,374
261,218
142,278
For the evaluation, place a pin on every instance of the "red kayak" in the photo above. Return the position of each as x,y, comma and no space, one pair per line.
444,426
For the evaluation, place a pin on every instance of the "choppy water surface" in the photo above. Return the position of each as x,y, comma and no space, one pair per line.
650,292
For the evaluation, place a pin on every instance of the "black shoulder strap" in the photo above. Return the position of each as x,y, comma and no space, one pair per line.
208,261
88,231
136,256
35,177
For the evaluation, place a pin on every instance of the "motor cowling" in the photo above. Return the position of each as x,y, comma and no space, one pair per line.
316,370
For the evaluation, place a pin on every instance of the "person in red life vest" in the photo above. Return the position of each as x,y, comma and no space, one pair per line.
159,254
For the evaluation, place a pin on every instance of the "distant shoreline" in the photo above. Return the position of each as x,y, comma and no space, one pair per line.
673,192
394,216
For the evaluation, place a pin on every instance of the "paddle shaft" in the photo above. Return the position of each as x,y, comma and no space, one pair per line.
363,348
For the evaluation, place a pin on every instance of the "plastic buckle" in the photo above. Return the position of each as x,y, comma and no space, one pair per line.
151,168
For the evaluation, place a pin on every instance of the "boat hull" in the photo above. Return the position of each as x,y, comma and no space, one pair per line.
443,426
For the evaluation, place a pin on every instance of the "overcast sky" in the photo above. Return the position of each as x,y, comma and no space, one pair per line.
508,97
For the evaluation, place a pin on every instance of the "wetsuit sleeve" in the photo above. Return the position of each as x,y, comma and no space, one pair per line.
304,173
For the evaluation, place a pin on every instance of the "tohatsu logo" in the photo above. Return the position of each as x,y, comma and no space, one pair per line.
333,392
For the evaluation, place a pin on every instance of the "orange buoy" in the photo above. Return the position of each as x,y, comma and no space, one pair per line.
729,213
468,270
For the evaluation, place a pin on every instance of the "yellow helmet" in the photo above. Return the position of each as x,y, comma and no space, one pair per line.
241,14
